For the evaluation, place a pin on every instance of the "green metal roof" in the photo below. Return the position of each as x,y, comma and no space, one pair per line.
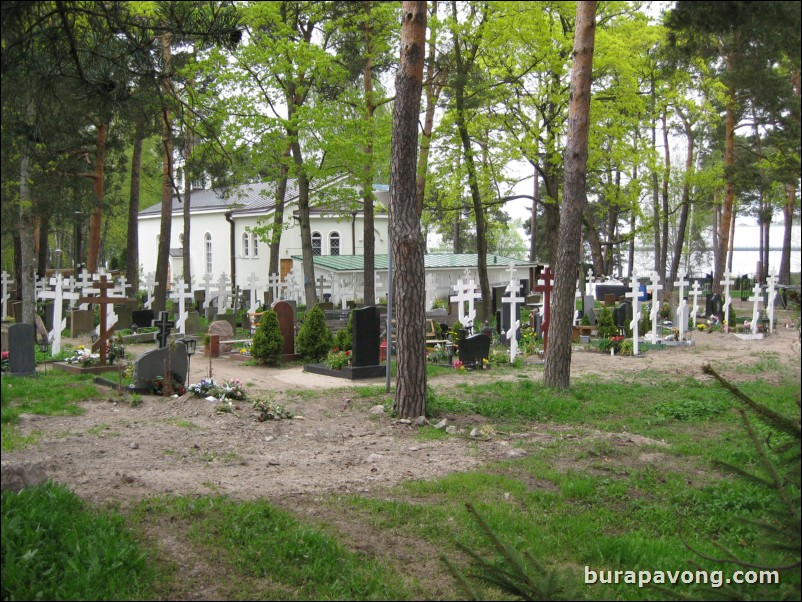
355,263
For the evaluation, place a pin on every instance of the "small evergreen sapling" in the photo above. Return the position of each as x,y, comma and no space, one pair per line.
315,339
267,340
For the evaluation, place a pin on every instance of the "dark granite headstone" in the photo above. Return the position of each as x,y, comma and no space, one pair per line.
82,321
366,341
622,316
286,323
609,300
22,349
616,290
200,297
714,306
124,317
158,362
474,349
49,310
142,318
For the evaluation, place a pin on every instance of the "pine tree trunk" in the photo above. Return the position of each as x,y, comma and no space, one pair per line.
278,218
729,190
405,231
132,250
98,186
557,372
788,215
166,221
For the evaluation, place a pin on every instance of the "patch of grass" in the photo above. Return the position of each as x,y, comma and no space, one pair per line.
429,433
184,424
49,394
57,548
274,554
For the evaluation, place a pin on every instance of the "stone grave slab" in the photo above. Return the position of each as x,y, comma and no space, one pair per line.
474,349
142,318
285,312
192,325
82,321
124,316
155,363
22,349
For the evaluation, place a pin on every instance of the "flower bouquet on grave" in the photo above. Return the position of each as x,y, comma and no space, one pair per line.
233,390
4,362
174,387
204,388
337,360
83,357
616,343
459,366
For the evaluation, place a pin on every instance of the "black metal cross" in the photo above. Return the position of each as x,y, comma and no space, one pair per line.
165,325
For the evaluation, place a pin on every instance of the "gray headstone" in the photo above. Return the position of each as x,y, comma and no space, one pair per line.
82,321
286,323
158,362
622,315
192,324
714,306
21,349
124,316
366,335
590,304
211,313
200,298
49,310
223,329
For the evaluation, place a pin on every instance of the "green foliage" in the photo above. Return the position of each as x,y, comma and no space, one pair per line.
512,576
268,342
605,324
344,337
585,320
314,338
56,548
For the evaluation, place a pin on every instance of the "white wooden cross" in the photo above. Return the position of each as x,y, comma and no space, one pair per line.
59,322
6,281
180,292
589,284
87,286
40,284
467,273
682,319
513,288
253,282
654,287
577,295
755,298
634,294
771,289
726,283
207,287
150,286
274,284
695,292
345,290
472,295
459,299
322,284
377,283
122,284
513,272
222,294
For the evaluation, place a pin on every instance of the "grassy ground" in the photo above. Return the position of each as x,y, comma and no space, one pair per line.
619,474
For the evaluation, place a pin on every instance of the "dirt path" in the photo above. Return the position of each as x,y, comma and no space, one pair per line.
116,452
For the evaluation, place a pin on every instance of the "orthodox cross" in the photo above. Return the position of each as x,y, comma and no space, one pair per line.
165,325
546,287
222,293
6,281
695,292
181,292
150,285
274,284
726,283
87,286
654,288
253,282
634,294
682,319
577,296
59,322
460,298
103,301
323,284
513,288
771,289
472,295
755,298
207,286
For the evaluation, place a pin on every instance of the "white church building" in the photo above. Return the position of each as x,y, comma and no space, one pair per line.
223,242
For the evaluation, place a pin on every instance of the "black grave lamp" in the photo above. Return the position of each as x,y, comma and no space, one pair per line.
44,347
191,346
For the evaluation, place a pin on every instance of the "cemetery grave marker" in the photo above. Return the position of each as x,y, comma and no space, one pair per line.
180,293
545,287
513,288
655,287
165,326
6,292
150,286
682,316
771,289
695,292
727,283
755,299
103,301
634,294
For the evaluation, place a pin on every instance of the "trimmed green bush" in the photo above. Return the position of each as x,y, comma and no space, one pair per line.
267,340
343,337
606,325
315,339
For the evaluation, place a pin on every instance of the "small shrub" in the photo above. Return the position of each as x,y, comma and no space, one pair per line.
267,340
606,325
344,336
315,339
